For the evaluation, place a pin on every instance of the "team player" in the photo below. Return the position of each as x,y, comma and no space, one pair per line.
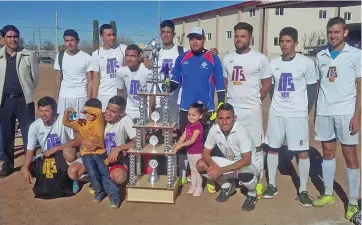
248,80
51,135
105,62
339,111
129,80
295,88
74,74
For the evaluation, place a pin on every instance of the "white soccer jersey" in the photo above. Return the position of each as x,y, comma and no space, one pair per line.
291,78
244,73
337,93
166,63
75,68
106,62
48,136
117,134
236,143
132,81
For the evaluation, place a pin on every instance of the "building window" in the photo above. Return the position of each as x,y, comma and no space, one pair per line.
322,14
276,41
252,12
208,36
279,11
321,41
347,15
228,34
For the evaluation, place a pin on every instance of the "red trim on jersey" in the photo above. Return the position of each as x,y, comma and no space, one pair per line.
188,55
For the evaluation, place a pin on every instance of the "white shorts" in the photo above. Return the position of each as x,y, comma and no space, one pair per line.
252,120
78,160
331,127
292,129
254,168
76,103
104,99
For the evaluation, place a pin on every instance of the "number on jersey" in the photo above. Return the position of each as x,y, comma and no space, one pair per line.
238,75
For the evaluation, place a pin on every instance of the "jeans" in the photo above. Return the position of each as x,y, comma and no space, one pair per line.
99,177
13,108
1,145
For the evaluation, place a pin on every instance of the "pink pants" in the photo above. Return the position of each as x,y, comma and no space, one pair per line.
196,179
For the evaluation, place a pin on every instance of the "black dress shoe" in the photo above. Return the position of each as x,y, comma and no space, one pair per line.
5,173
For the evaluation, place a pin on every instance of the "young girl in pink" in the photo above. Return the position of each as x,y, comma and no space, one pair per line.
192,139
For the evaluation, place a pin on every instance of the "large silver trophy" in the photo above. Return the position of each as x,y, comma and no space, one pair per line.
160,121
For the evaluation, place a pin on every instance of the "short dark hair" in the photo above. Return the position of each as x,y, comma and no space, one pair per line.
289,31
244,26
226,107
134,47
167,23
336,20
8,28
71,33
105,27
45,101
118,100
93,102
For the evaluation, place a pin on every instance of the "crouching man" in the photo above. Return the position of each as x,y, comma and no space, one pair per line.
239,162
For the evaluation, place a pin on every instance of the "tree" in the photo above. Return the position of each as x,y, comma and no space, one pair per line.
95,35
47,46
31,46
313,39
114,26
21,42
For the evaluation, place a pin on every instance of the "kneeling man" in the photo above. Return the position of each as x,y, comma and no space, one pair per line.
52,136
239,161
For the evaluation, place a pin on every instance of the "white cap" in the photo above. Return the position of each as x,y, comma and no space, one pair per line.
196,31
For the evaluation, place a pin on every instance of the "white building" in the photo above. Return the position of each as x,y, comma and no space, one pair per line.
268,18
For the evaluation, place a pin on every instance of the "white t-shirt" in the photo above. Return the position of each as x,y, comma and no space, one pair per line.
107,61
337,93
75,68
291,78
244,73
168,58
237,142
117,134
48,136
131,81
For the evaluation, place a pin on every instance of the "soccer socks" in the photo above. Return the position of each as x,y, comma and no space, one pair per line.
272,167
224,184
354,184
328,170
303,166
260,155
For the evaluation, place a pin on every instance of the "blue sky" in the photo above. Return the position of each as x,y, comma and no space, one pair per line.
134,18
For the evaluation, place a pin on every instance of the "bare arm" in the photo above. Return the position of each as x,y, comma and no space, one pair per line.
226,83
193,139
206,156
243,162
96,81
89,84
58,81
355,124
266,84
358,97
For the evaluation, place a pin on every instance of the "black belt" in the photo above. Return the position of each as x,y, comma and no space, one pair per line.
14,96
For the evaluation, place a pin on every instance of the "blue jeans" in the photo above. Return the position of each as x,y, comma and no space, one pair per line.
99,177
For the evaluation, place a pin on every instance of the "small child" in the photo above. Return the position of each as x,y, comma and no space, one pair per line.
92,128
192,138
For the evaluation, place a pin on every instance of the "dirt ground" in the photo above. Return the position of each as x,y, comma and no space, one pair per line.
18,206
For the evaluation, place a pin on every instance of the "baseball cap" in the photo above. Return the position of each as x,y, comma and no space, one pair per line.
197,31
71,33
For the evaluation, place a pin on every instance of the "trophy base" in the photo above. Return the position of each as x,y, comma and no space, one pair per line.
143,191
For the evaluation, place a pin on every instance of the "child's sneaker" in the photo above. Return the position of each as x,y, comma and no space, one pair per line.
189,179
114,205
210,185
182,181
191,190
75,187
198,192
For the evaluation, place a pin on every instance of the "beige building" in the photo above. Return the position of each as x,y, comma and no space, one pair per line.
268,18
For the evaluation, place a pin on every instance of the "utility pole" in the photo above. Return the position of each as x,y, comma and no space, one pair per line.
33,45
56,32
39,46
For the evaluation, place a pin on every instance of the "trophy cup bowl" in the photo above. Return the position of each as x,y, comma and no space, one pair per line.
155,116
154,177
